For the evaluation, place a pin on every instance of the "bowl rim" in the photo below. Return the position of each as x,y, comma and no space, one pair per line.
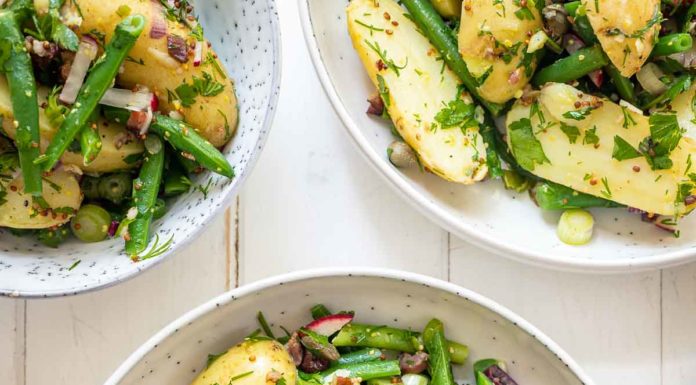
445,219
271,108
369,272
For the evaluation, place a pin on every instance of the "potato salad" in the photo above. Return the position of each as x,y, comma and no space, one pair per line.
582,104
107,109
333,349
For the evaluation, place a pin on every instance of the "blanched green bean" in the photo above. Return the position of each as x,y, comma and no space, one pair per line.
671,44
99,80
368,370
184,138
439,364
552,196
90,141
572,67
145,190
15,62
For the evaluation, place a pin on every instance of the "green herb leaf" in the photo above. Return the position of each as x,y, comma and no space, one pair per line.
623,150
591,136
572,132
580,114
455,114
525,146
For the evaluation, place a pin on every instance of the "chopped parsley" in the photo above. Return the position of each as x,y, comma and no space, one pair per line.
591,136
383,90
623,150
571,132
628,119
580,114
525,146
457,113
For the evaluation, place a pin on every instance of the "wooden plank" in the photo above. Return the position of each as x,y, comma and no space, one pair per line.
12,341
678,325
313,201
609,324
81,340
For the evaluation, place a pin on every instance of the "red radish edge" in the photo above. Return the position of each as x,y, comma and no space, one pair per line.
330,324
198,54
86,52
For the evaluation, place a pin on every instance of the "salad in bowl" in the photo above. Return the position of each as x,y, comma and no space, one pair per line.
108,109
581,104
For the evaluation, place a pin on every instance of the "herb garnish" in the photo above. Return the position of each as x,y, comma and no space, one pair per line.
525,146
571,132
383,56
623,150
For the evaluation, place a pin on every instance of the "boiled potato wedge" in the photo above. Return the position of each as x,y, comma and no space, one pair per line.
574,146
214,116
626,29
61,192
252,362
415,87
493,41
120,150
449,9
685,107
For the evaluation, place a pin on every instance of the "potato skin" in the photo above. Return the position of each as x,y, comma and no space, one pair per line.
112,155
17,211
260,357
215,117
493,38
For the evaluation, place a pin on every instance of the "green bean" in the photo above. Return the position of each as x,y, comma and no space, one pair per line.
671,44
189,165
184,138
145,190
100,78
552,196
160,209
624,86
384,337
90,141
176,182
115,114
679,85
440,35
581,23
91,223
320,311
16,64
364,355
572,67
368,370
115,187
488,133
439,364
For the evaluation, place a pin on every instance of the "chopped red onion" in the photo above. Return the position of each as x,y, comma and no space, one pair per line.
86,52
158,29
198,54
668,228
113,227
177,48
133,101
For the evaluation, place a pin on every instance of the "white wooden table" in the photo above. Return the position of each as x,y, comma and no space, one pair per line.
313,202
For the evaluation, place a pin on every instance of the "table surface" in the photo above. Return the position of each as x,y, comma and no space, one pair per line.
313,201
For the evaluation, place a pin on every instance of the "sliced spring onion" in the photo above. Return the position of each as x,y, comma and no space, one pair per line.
649,77
414,379
127,99
575,227
86,53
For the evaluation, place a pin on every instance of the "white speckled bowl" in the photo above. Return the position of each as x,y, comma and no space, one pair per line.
246,36
175,355
485,214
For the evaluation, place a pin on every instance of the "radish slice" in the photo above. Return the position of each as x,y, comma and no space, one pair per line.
198,54
330,324
86,52
140,121
133,101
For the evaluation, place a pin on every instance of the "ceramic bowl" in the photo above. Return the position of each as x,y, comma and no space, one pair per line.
485,214
246,36
176,355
